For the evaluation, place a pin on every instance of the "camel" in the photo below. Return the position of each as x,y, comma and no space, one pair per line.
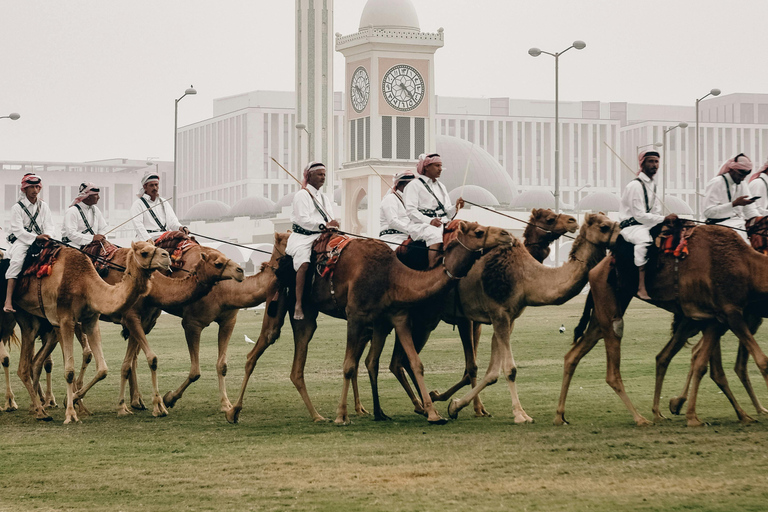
7,337
372,303
499,288
166,292
716,285
72,293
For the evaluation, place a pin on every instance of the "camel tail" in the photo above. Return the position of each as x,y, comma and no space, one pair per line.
589,305
13,339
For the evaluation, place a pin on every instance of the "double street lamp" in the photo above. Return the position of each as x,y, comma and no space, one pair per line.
713,92
13,116
189,91
535,52
302,126
666,157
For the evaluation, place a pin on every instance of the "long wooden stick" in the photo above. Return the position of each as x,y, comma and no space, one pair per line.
634,174
466,171
140,213
319,205
393,189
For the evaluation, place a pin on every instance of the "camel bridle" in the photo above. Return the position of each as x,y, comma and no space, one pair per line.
478,251
152,259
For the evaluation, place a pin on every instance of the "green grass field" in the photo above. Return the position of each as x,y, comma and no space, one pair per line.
277,459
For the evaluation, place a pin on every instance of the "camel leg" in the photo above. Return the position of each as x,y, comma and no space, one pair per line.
303,330
718,375
510,373
698,369
355,348
50,399
9,404
400,322
359,409
127,374
742,357
133,323
87,355
399,368
613,374
192,335
67,334
270,332
683,330
741,329
29,329
372,363
43,360
225,333
676,402
580,348
92,330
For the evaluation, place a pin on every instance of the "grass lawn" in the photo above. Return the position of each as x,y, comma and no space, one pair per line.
277,459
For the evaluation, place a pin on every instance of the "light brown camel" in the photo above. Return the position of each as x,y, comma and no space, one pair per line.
717,283
73,293
507,280
372,289
544,227
211,267
221,305
7,337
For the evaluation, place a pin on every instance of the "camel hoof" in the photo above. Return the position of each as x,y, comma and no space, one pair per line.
122,410
380,416
138,404
676,404
11,406
435,396
233,414
439,421
762,410
362,412
747,419
658,417
523,419
560,420
342,421
51,403
169,399
696,422
482,413
321,419
453,409
43,416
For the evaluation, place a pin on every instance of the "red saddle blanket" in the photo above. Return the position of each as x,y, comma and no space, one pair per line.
176,243
327,249
674,237
42,265
101,253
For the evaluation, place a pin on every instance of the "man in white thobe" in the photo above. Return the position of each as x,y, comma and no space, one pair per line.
312,213
151,214
83,221
429,206
640,210
393,219
758,187
726,199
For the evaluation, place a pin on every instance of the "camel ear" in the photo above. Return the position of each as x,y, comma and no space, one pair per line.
535,212
133,246
203,256
589,218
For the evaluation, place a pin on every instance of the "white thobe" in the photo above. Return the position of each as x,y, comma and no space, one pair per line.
759,187
633,206
74,228
392,216
307,217
418,199
145,226
718,203
21,227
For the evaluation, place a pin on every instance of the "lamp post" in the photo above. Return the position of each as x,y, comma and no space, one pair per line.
713,92
535,52
13,116
665,167
302,126
576,203
189,91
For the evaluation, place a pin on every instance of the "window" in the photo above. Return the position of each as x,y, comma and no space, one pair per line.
386,137
403,137
418,136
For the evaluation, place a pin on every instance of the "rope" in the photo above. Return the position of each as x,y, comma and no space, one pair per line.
374,238
230,243
518,220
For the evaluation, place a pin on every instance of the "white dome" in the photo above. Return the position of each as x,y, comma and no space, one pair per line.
392,14
477,195
252,206
677,206
207,210
600,202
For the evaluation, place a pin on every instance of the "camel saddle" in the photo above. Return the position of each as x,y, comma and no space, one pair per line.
101,253
40,258
413,253
326,251
673,238
176,243
757,230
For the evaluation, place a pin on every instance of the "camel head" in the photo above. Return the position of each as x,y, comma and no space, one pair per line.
149,257
599,230
557,223
278,248
214,263
475,237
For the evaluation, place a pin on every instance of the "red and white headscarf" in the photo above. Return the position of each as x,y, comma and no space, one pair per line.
760,171
30,179
425,160
740,162
86,189
645,154
311,167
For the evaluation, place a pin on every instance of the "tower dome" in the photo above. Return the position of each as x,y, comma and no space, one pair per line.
391,14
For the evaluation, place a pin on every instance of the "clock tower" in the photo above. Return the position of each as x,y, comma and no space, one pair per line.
389,104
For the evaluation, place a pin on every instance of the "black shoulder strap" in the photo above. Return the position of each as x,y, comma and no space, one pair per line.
727,187
152,213
645,196
32,218
439,204
317,206
765,182
88,228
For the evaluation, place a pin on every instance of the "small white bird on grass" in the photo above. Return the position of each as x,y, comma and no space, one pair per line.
562,329
249,340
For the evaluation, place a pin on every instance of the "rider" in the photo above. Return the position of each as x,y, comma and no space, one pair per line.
429,206
31,220
395,224
312,212
83,221
758,186
726,199
641,210
158,216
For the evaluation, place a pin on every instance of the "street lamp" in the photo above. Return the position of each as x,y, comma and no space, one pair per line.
189,91
713,92
666,155
535,52
577,199
302,126
13,116
654,144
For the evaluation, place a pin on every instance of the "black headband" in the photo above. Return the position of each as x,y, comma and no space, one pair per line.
651,153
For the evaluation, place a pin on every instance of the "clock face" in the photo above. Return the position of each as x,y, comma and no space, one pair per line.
403,87
359,89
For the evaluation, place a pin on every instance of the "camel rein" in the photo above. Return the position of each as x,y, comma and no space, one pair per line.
519,220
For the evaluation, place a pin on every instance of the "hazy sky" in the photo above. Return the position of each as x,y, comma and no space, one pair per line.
95,79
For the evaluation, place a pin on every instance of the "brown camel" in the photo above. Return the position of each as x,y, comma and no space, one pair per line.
7,336
716,285
211,267
373,302
507,280
73,293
